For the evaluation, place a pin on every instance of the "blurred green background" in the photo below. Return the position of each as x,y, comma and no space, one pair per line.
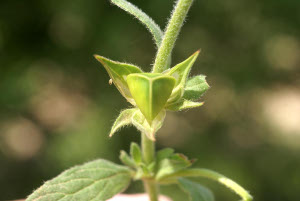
56,106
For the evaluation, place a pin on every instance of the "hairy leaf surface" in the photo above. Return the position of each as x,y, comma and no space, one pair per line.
172,164
183,104
98,180
124,119
195,87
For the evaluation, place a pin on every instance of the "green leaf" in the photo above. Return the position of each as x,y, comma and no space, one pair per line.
164,153
98,180
195,87
150,92
124,119
126,159
136,153
183,104
197,172
139,121
195,191
172,164
143,18
118,72
180,72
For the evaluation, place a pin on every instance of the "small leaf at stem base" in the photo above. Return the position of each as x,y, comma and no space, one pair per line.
124,119
135,152
183,104
195,87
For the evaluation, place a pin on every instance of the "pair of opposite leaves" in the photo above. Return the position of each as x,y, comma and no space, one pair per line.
153,92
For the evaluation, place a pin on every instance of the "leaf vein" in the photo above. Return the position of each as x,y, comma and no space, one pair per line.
69,194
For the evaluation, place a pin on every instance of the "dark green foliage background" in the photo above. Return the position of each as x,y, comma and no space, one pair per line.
46,47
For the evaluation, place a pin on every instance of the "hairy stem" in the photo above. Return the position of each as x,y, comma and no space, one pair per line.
180,11
148,151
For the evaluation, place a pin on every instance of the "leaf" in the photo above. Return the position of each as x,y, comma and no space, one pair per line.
123,119
197,172
98,180
139,121
195,191
164,153
136,153
180,72
195,87
183,104
150,92
118,72
172,164
126,159
143,18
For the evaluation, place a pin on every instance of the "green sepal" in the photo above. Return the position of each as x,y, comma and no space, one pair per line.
196,191
150,92
195,87
183,104
136,154
124,119
172,164
126,159
95,180
118,73
180,72
140,122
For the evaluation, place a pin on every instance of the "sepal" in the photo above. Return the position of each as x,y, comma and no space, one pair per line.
180,72
118,72
150,92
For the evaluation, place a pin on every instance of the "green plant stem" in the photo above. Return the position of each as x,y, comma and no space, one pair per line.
148,151
152,189
171,34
